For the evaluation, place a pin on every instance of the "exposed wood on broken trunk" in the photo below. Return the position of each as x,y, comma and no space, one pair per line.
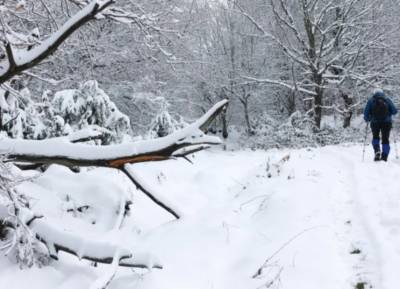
179,144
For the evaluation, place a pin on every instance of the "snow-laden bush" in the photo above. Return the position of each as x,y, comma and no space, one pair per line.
69,111
152,115
17,240
296,132
41,121
164,124
21,117
12,113
91,106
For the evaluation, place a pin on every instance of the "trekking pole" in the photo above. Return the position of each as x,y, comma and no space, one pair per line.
395,145
365,140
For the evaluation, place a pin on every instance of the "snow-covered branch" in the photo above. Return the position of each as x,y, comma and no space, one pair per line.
97,251
280,83
19,60
57,240
148,191
63,152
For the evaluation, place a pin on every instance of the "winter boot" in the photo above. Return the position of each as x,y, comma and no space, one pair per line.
385,151
377,149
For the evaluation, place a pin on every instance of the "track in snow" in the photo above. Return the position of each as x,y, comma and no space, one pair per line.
329,193
236,217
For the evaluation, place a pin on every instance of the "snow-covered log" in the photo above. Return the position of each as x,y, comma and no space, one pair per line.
59,151
19,60
81,136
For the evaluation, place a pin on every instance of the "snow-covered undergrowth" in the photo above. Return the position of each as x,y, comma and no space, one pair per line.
71,110
300,219
297,132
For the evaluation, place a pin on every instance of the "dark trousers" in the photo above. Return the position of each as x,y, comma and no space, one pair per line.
381,129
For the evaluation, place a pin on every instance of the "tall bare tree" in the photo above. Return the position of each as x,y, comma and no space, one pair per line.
329,40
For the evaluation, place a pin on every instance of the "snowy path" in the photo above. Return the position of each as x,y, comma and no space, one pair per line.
344,213
352,211
377,202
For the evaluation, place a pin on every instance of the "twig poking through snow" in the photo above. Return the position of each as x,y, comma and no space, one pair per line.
105,280
266,263
121,213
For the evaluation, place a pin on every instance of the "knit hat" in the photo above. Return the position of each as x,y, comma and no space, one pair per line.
378,92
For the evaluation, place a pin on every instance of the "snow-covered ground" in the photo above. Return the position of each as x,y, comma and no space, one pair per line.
325,220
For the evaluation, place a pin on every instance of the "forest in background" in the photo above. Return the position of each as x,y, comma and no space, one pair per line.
93,91
296,73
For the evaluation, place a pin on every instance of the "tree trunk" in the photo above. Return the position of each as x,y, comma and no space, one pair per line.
247,118
348,101
318,100
1,119
245,102
224,125
318,107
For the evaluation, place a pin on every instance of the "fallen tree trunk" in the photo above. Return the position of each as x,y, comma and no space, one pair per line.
81,136
60,151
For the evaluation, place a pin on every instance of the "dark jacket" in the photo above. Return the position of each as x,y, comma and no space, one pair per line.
368,108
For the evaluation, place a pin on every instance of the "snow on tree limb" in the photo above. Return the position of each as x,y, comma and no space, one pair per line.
148,191
57,240
281,83
31,231
59,151
105,279
18,61
97,251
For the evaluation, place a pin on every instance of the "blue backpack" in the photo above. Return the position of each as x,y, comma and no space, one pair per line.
380,108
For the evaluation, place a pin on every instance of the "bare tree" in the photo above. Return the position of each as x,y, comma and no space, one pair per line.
327,39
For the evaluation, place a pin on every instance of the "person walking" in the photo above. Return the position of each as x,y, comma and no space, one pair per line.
379,111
